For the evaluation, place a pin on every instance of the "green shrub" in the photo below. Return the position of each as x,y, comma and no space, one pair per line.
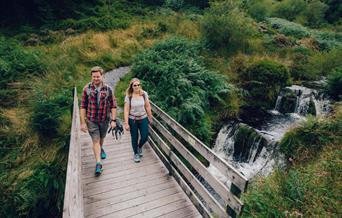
225,26
297,190
259,9
303,143
334,85
8,97
46,113
326,40
263,81
17,63
333,14
314,14
95,23
289,9
300,58
288,28
321,63
174,4
176,79
41,194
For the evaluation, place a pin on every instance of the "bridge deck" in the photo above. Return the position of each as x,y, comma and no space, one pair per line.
128,189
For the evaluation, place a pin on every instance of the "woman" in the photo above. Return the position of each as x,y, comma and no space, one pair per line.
137,115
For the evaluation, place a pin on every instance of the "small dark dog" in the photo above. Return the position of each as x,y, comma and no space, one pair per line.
118,130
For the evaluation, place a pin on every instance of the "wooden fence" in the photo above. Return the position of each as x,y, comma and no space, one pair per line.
165,137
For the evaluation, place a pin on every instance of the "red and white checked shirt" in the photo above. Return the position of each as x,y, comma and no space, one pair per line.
98,111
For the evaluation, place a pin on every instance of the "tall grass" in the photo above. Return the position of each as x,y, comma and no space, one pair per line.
311,185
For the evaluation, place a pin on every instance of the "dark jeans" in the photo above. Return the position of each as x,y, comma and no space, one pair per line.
142,126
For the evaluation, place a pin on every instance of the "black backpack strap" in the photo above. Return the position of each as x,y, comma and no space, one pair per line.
130,99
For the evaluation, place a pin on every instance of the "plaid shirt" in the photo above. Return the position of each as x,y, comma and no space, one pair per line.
98,111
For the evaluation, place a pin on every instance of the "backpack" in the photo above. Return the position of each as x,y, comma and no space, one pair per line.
130,99
89,90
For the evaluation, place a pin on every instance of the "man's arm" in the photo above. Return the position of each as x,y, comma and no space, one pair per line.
112,103
83,110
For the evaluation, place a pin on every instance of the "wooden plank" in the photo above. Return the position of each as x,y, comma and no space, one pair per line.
119,168
138,206
226,169
228,197
185,210
99,194
163,210
110,161
73,196
131,207
152,167
188,191
94,208
130,192
208,198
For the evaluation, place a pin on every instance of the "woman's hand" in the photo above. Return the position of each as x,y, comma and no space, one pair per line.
150,120
126,126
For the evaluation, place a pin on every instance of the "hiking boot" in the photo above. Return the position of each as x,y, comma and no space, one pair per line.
140,151
103,154
136,158
98,169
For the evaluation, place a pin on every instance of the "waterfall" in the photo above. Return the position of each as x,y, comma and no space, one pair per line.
254,151
277,105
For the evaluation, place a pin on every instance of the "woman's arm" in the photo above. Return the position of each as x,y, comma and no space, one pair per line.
148,110
126,112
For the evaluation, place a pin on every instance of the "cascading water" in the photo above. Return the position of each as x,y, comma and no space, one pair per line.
254,151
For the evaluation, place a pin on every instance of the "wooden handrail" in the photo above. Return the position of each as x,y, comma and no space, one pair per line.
221,189
73,196
229,197
226,169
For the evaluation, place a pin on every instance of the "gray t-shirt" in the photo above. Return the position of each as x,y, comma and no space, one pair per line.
137,107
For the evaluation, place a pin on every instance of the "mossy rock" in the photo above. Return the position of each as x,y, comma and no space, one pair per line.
245,138
288,103
312,108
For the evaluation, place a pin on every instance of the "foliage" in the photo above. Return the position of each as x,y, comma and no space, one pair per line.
225,26
304,142
17,63
288,28
38,195
259,9
325,39
174,75
322,63
174,4
94,23
316,154
289,9
333,14
47,112
334,86
314,13
263,80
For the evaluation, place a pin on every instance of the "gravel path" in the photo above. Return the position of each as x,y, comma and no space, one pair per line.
113,77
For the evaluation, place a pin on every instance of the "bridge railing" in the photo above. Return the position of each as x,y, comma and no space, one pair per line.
73,196
172,142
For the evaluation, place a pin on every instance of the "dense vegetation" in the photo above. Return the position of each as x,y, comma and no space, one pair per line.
174,72
203,63
311,184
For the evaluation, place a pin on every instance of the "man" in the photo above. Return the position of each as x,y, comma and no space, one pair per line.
97,103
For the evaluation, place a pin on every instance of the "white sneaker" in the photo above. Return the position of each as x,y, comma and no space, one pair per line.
136,158
140,151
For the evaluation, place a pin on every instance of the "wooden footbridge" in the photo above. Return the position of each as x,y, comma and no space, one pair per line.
172,179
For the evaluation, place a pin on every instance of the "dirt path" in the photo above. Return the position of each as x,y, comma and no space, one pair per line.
113,77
